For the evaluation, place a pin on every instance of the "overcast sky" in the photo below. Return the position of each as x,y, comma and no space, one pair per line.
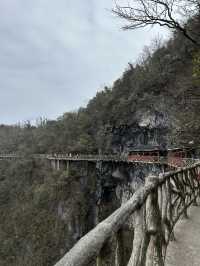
55,55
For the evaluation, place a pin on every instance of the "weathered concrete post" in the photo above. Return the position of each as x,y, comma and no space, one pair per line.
67,169
53,164
58,165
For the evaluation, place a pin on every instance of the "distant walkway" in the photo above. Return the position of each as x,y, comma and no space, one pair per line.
174,162
185,251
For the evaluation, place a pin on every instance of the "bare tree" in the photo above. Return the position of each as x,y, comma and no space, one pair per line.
168,13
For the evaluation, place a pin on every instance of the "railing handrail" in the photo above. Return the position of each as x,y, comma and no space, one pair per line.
90,245
94,241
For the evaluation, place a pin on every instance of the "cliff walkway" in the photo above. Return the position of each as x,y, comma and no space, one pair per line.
56,159
162,233
185,250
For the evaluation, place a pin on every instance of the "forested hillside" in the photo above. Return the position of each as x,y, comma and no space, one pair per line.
164,82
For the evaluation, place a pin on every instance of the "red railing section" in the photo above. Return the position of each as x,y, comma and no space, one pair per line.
143,158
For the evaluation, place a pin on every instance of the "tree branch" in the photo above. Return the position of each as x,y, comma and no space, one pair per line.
157,12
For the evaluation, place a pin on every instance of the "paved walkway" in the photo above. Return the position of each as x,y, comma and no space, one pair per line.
185,251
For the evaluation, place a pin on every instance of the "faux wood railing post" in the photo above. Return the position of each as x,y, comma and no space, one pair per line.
198,178
141,240
185,190
197,171
99,261
119,252
193,175
169,221
154,228
179,191
165,223
189,185
160,198
184,193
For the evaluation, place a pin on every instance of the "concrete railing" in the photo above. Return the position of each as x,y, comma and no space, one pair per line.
171,161
6,156
86,157
178,162
114,158
156,207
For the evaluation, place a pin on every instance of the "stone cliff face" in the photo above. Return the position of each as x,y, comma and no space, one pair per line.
103,188
151,129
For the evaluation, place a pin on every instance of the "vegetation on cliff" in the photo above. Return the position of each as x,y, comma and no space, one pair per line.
41,212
